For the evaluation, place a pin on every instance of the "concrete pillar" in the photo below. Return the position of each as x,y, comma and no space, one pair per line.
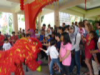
39,22
56,17
15,22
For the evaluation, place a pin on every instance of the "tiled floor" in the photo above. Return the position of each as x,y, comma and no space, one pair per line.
45,71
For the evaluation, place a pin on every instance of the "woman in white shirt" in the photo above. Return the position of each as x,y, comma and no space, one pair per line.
54,55
75,37
6,45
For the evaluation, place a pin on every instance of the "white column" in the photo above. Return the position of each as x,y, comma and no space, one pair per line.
56,17
15,22
39,22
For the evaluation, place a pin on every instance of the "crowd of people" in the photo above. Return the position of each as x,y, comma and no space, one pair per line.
65,47
72,45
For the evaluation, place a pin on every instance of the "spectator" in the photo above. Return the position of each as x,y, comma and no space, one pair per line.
37,33
42,35
76,24
48,32
14,38
81,28
32,33
75,39
65,53
49,38
44,27
1,40
63,25
60,30
6,45
98,29
89,45
73,23
23,35
66,29
58,43
96,57
54,55
23,31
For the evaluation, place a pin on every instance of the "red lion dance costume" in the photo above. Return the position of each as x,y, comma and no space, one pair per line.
24,50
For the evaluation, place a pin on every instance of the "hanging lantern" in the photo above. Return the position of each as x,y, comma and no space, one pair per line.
85,4
22,4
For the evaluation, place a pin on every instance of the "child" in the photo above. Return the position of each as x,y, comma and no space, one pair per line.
54,55
49,38
6,45
96,59
90,45
65,52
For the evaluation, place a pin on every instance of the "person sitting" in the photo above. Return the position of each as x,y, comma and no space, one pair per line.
6,45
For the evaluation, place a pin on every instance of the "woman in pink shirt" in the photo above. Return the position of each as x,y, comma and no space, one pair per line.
65,53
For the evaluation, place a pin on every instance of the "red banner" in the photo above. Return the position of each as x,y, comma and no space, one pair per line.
32,10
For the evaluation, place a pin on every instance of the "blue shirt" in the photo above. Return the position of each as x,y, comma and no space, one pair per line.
41,37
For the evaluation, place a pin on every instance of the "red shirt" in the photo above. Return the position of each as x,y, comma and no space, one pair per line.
89,47
14,39
1,40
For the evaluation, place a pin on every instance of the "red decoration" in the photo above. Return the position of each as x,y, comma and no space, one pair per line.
24,50
32,10
22,4
85,4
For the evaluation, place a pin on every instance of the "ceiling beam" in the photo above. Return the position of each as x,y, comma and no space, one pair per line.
17,1
93,12
80,10
72,4
46,11
73,12
6,10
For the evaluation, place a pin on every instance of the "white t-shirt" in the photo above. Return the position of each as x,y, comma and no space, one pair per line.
6,46
76,45
52,51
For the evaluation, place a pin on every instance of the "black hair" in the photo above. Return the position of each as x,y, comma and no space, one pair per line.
0,31
94,34
60,28
13,32
52,42
57,35
66,38
44,24
23,34
49,25
98,22
66,27
23,30
50,36
28,35
6,39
